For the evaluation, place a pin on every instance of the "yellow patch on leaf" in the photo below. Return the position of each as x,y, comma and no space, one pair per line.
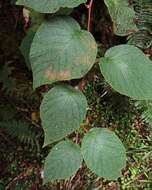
65,74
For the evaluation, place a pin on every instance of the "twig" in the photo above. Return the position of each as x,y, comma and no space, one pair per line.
19,177
4,137
34,123
84,128
89,7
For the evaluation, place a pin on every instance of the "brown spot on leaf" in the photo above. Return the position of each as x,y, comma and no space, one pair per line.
61,75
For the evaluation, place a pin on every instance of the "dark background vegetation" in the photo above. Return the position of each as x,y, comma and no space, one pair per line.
21,134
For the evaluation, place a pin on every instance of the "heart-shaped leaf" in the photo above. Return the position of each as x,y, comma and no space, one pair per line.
128,71
122,16
61,51
62,162
62,111
49,6
104,153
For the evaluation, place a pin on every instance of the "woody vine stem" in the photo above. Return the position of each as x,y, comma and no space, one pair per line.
89,7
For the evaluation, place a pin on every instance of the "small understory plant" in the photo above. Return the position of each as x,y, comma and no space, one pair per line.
59,50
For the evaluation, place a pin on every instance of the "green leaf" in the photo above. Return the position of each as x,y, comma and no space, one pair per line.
25,47
64,11
36,20
62,111
62,162
122,16
128,71
61,51
104,153
49,6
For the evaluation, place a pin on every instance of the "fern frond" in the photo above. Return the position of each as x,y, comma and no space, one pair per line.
7,112
143,9
145,108
143,37
21,130
5,78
